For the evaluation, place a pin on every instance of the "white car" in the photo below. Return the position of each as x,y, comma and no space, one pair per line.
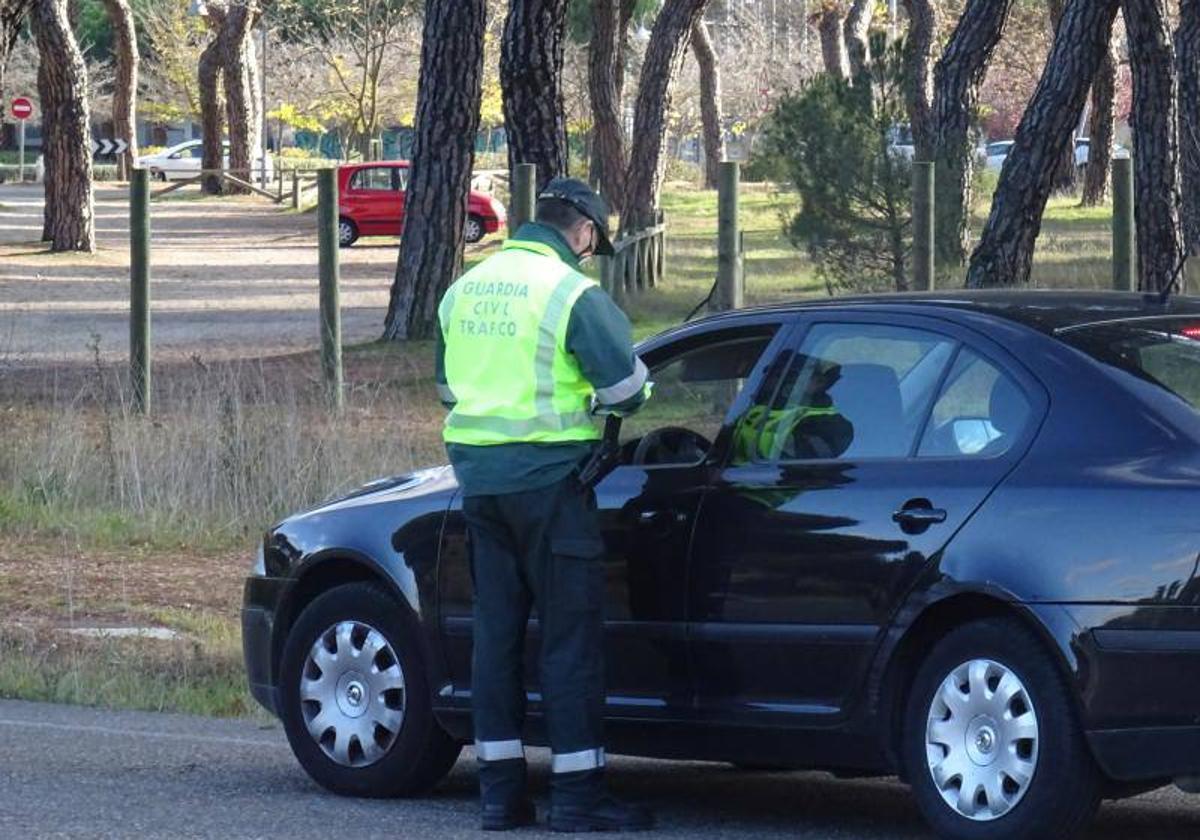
998,151
183,161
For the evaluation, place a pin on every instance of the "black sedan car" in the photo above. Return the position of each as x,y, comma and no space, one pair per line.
948,536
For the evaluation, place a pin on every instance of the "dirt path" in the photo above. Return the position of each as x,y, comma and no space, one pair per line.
231,278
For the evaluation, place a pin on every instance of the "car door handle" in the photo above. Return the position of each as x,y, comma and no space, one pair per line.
661,517
919,516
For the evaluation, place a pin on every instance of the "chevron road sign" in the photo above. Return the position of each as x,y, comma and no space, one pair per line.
109,147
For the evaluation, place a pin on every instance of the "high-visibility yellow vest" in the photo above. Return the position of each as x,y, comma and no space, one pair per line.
509,374
750,443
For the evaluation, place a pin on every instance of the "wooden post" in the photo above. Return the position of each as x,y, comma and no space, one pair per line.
922,225
331,318
279,176
139,288
652,254
524,196
1124,253
731,292
662,247
295,189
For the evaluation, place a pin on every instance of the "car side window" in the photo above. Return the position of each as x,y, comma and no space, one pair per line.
980,412
373,178
696,388
852,391
189,153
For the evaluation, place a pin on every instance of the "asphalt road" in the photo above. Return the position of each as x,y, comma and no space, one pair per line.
70,772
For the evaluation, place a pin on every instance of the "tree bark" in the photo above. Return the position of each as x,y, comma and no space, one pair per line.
1005,252
212,114
125,86
12,16
833,42
608,137
1155,143
1097,175
923,17
1064,170
627,9
957,80
531,61
239,94
857,32
70,223
448,98
710,103
1187,54
664,57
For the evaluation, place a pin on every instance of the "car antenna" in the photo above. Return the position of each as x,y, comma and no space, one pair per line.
1176,276
707,299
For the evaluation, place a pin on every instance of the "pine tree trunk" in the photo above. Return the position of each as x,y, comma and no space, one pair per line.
1005,252
923,25
857,32
1064,171
608,137
239,96
212,114
125,86
1155,143
664,57
66,142
833,43
531,61
627,9
710,104
1097,174
957,80
448,98
1187,53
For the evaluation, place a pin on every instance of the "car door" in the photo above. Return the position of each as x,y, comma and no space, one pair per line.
647,512
373,200
857,462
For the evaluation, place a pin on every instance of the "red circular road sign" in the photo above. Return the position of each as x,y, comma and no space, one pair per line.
21,108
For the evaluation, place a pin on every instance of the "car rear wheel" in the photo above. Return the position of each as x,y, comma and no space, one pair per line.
354,697
473,231
347,232
991,742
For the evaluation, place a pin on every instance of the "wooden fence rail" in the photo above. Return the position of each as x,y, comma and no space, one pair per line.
639,261
301,182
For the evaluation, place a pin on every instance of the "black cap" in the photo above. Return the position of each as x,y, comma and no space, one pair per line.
580,196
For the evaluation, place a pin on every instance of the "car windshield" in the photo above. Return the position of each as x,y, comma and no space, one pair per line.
1164,352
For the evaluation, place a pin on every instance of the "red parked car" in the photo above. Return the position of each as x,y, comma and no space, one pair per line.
371,203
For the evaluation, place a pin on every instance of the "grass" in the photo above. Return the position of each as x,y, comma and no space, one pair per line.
107,518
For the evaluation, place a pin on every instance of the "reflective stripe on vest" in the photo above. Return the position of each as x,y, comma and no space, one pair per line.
504,324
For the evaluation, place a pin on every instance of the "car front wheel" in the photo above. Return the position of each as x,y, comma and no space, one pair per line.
354,697
347,233
991,742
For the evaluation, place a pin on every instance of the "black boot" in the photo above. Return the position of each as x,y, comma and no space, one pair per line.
579,802
505,804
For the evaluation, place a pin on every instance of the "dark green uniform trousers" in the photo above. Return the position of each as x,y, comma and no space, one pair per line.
542,549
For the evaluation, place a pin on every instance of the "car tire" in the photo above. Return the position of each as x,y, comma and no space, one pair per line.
158,175
968,710
347,232
474,230
374,681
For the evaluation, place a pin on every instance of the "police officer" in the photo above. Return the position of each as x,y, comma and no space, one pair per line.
529,348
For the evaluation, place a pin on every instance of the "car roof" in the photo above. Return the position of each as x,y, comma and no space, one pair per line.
1047,311
363,165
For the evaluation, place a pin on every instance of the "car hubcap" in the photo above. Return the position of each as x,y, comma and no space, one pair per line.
472,231
345,232
981,740
352,694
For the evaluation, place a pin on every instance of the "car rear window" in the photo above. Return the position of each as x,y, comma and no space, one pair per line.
1164,352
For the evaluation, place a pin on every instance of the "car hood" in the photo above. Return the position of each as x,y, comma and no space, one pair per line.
419,485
